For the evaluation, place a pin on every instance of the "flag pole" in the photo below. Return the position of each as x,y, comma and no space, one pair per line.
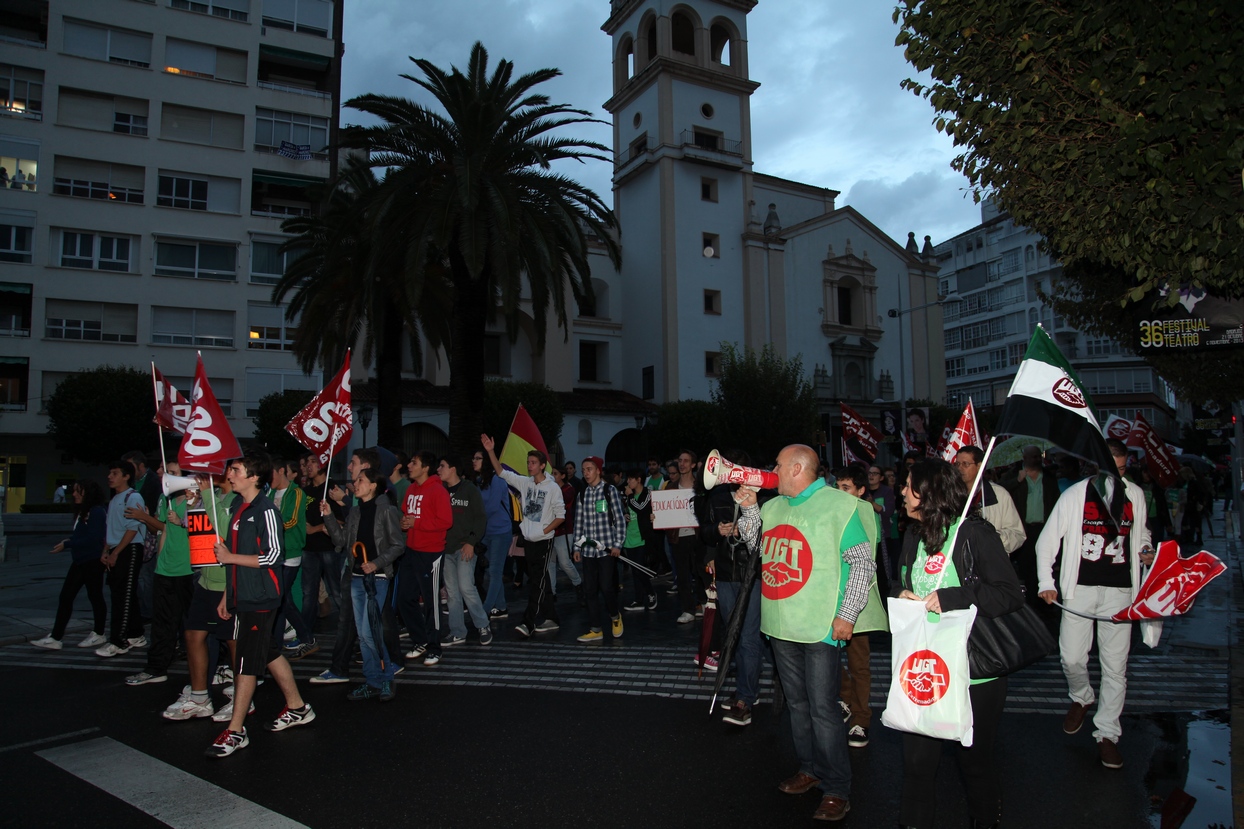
332,449
211,488
159,428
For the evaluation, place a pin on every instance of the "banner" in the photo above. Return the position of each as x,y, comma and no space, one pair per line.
172,409
209,443
672,509
859,437
1197,322
964,434
202,538
325,424
1158,456
891,425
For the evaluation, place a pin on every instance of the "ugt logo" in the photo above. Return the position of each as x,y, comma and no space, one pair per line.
786,562
924,677
934,564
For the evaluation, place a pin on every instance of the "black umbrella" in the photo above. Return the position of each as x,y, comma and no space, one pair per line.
373,609
736,623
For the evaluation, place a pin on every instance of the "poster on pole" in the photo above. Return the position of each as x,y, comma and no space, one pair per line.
672,509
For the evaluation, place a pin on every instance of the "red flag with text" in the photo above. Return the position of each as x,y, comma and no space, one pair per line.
172,409
859,437
1158,456
1173,581
965,434
325,424
209,443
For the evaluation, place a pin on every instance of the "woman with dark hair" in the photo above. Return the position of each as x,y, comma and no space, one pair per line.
86,545
498,531
977,572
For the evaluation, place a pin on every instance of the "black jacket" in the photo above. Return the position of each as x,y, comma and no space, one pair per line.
256,529
995,591
387,530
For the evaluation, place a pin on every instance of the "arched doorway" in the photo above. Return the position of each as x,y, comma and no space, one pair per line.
627,449
417,437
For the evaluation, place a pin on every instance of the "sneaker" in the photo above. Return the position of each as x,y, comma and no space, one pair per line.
290,634
223,675
303,650
710,662
652,601
187,708
450,641
48,643
846,711
92,641
498,614
592,636
672,590
229,688
138,642
227,743
857,736
699,611
399,669
145,678
523,631
110,650
388,691
418,651
633,606
431,659
363,692
1109,754
547,626
727,703
685,618
616,626
290,717
290,645
739,714
485,636
328,678
225,713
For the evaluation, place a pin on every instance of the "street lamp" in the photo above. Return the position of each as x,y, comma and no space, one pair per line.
897,313
364,412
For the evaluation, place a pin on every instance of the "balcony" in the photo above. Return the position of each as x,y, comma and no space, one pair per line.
300,73
702,140
25,22
281,196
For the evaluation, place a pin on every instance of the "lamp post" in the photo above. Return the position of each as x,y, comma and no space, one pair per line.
364,413
897,313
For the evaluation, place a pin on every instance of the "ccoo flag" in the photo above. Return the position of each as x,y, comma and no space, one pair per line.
965,434
1047,401
523,437
325,424
209,442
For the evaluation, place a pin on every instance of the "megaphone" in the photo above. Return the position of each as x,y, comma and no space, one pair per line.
174,484
718,470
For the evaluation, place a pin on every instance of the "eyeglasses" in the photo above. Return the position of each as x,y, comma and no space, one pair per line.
966,463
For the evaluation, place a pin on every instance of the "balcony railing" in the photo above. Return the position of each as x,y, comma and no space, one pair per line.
297,90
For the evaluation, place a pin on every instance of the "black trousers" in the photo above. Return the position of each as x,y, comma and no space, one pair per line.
170,601
641,581
922,755
88,574
687,554
539,593
600,575
123,584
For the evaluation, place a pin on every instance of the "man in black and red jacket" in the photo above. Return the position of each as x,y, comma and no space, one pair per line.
252,598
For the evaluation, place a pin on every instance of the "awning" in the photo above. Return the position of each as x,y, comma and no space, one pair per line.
305,59
15,288
284,180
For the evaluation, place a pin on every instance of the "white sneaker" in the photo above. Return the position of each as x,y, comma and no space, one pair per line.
223,675
229,688
92,641
290,634
684,618
48,643
226,713
186,708
138,642
110,650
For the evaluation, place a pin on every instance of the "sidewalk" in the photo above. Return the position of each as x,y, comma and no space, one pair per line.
30,582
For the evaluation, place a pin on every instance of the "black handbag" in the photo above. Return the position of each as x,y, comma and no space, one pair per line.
1003,644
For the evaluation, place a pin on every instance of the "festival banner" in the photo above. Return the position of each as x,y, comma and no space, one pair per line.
209,443
325,424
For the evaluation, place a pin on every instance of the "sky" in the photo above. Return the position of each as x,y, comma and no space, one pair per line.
829,111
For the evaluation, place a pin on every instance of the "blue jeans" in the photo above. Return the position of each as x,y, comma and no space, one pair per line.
498,547
460,585
317,564
810,676
559,556
375,654
749,653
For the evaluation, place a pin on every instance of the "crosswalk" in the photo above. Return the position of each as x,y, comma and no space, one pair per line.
1157,682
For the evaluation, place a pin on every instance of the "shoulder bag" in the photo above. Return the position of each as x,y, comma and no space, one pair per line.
1002,645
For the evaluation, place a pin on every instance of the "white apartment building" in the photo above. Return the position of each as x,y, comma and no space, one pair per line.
152,150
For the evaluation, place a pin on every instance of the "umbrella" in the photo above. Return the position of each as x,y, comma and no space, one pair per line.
706,628
1198,463
1169,587
373,610
735,625
1011,450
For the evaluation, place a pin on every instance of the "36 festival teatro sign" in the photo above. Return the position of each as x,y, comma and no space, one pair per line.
1197,322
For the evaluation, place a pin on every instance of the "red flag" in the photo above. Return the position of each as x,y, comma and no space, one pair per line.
964,434
1158,456
172,409
209,442
1172,583
932,451
908,446
325,424
859,437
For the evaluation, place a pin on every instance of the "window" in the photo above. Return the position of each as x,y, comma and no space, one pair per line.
20,160
202,60
313,17
1015,353
262,382
1010,262
844,305
708,189
15,242
98,111
94,321
1100,347
711,243
952,338
102,252
682,30
712,363
190,192
272,126
269,330
90,40
593,362
14,379
954,367
712,302
21,91
268,264
229,9
585,431
128,124
98,180
719,44
705,139
199,260
222,387
638,147
201,126
15,309
997,359
192,326
648,382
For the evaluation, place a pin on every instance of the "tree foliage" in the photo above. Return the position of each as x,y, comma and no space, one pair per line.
764,400
275,410
99,414
501,399
686,424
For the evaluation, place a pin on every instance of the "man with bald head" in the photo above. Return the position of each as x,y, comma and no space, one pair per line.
818,587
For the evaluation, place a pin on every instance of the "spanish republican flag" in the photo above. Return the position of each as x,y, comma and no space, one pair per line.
523,437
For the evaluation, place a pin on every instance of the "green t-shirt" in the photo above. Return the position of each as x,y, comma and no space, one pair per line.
924,579
174,558
634,538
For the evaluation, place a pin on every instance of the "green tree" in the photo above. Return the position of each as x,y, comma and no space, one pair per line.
470,193
686,424
501,399
275,410
765,401
94,433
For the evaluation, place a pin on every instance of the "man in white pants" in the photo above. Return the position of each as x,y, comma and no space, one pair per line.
1104,541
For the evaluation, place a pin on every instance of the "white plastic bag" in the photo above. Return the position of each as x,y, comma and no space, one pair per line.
929,672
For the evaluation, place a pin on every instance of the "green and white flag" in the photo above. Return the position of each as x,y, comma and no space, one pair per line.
1048,401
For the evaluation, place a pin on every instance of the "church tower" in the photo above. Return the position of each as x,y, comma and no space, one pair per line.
682,188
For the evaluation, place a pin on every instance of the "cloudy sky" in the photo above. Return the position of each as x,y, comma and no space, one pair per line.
829,110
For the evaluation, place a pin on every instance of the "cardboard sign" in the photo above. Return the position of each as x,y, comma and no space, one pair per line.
202,538
671,509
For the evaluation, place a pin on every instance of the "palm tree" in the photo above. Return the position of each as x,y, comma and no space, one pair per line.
345,286
471,192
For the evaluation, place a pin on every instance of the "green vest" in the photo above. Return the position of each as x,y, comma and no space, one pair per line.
802,572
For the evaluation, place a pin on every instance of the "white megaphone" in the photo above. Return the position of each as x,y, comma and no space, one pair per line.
174,484
718,470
